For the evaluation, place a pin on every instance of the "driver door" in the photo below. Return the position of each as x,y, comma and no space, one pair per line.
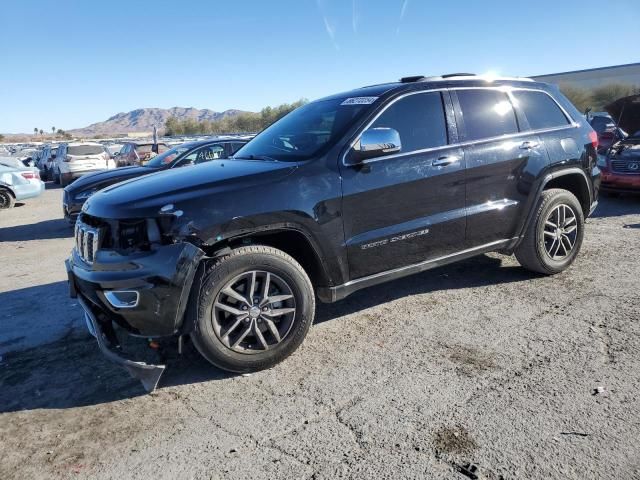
407,207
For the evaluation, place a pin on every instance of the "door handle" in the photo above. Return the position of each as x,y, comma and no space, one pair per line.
444,161
528,145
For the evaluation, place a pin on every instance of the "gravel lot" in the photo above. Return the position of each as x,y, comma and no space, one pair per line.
479,363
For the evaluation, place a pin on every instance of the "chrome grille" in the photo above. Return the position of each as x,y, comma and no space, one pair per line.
87,241
626,166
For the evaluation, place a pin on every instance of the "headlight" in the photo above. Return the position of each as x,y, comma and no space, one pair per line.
85,194
601,161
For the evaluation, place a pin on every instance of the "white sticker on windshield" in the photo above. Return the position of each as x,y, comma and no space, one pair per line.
359,101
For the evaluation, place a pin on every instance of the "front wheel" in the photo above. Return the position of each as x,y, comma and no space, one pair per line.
255,308
554,237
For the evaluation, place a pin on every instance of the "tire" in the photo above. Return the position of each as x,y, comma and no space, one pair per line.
7,200
537,252
63,181
216,334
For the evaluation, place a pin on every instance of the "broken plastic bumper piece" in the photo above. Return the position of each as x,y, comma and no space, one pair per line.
147,373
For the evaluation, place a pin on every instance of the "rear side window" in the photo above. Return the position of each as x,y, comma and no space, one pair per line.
85,150
486,114
540,109
419,119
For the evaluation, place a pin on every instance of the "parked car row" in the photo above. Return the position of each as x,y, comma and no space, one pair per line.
186,154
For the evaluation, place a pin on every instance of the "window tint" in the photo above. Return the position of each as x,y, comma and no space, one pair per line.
540,109
419,119
86,150
486,113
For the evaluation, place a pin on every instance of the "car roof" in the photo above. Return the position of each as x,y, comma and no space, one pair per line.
419,82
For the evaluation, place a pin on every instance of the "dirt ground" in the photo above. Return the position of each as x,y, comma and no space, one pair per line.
475,370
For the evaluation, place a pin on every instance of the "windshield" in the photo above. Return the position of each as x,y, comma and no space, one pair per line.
304,132
167,157
86,150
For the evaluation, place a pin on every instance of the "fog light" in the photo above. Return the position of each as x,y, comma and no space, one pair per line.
123,298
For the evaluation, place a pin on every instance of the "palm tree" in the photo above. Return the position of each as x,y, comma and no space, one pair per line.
53,130
35,131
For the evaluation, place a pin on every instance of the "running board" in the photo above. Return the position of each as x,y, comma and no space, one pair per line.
333,294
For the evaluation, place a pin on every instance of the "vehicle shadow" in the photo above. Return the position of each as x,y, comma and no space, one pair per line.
71,372
45,230
474,272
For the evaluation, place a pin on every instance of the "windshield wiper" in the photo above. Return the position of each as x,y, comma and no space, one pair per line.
256,157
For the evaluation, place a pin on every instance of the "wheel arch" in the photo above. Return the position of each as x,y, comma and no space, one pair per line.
293,241
574,180
4,186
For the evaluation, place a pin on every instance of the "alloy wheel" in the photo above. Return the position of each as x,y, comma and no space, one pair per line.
560,232
253,312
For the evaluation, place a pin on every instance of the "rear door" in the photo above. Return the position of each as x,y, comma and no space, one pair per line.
405,208
502,163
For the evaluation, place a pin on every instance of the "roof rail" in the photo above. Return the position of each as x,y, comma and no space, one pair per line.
467,76
450,75
411,79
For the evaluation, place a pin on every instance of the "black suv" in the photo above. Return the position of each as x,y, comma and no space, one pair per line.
186,154
345,192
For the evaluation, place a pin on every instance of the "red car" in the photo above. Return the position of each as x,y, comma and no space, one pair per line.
133,153
620,165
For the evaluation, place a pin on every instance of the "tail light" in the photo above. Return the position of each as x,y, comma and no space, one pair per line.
31,175
593,136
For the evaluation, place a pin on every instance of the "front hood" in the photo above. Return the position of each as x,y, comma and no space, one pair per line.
144,196
626,113
107,177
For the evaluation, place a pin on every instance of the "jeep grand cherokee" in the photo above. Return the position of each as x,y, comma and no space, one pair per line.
345,192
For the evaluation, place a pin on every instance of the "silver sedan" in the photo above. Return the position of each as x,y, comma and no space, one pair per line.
18,184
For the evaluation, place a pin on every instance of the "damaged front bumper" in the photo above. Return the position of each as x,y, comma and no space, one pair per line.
148,374
144,294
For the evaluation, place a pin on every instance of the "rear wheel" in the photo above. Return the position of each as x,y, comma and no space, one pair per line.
64,181
255,308
554,237
6,199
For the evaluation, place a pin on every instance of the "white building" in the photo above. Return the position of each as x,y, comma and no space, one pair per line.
595,77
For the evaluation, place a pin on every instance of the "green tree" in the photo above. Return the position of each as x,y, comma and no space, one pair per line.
35,131
53,130
606,94
242,123
41,131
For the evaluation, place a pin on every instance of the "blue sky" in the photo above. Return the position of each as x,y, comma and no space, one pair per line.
71,63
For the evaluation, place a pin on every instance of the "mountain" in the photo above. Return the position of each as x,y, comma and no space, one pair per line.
143,120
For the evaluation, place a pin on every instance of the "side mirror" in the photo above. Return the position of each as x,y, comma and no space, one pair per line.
376,142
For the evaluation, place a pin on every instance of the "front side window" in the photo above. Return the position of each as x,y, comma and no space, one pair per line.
486,114
419,119
201,155
540,109
167,157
